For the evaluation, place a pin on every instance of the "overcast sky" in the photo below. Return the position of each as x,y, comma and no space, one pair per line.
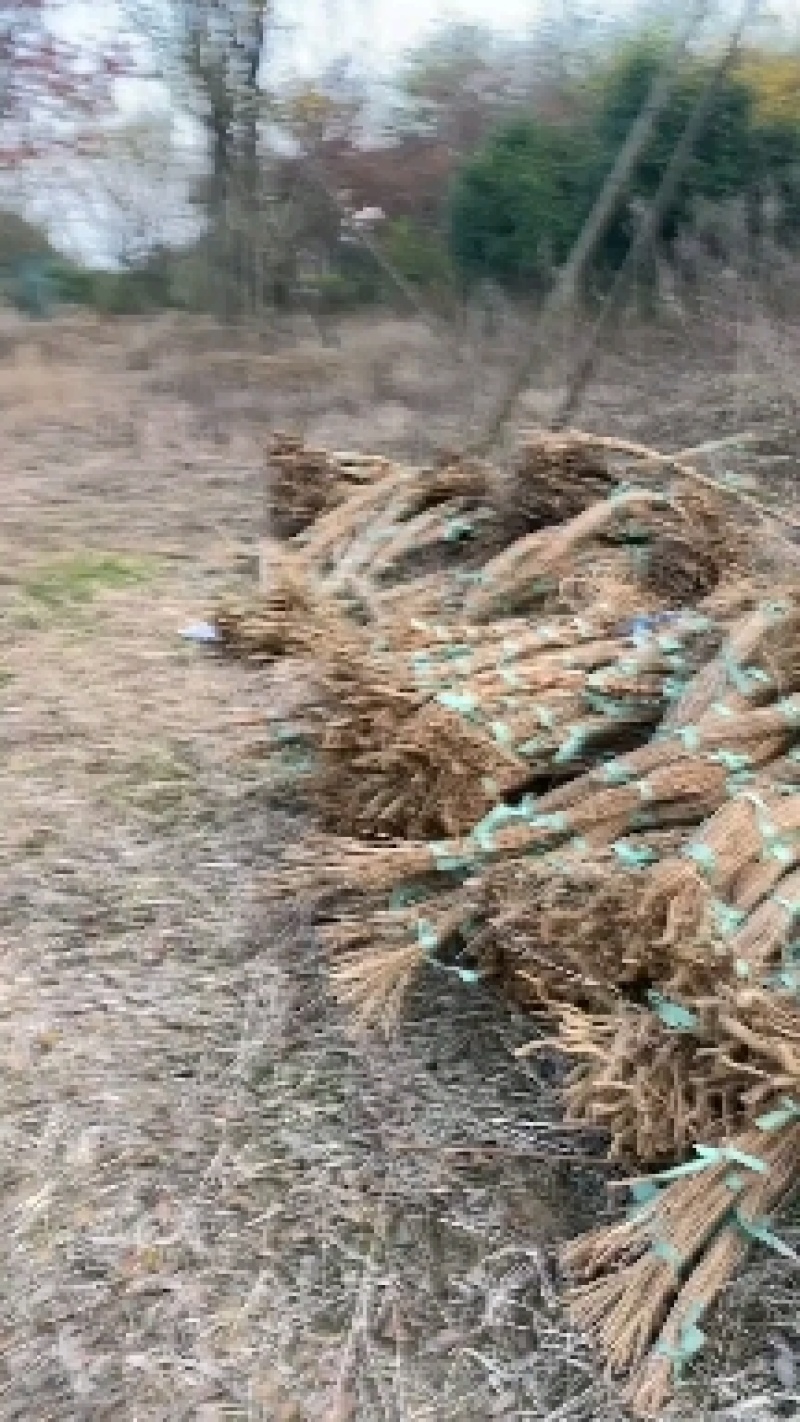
325,28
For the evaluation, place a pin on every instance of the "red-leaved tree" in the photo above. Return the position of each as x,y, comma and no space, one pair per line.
55,91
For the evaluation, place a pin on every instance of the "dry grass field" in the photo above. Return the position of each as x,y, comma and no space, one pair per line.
216,1205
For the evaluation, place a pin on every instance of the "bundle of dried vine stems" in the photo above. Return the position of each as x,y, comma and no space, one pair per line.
677,545
392,763
551,480
593,810
642,1287
304,482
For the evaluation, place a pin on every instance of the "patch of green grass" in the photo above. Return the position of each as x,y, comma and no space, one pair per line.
79,578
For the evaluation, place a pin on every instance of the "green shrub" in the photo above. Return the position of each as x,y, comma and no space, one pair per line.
519,203
419,256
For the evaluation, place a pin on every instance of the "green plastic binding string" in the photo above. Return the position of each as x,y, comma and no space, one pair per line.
572,747
775,846
742,678
727,920
540,586
782,1115
534,746
457,529
663,1249
776,611
706,1158
557,824
598,678
789,707
619,496
423,667
450,859
462,702
499,818
406,895
675,1017
731,760
427,937
696,622
702,856
734,1182
790,906
760,1231
735,784
690,1342
632,856
615,772
287,735
607,705
689,736
502,734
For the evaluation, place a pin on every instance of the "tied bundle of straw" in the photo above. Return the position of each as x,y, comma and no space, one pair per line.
551,480
652,1089
642,1287
304,482
758,1033
274,623
392,764
523,573
565,929
684,791
350,537
679,548
758,662
741,862
693,547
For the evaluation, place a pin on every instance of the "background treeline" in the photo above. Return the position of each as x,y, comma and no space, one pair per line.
480,163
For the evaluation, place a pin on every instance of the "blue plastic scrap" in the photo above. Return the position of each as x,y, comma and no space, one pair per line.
200,632
639,629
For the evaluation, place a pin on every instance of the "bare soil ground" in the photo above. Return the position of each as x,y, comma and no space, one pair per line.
216,1205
